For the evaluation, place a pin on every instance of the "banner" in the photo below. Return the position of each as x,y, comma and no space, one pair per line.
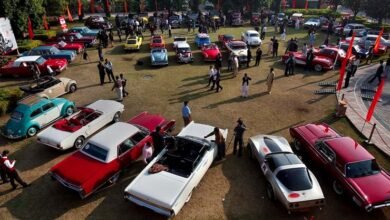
375,100
344,63
70,18
294,3
125,6
30,29
45,24
378,41
7,37
63,25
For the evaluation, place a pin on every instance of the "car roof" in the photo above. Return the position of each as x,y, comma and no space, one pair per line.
43,47
348,150
252,31
27,59
237,43
182,44
202,35
32,100
355,24
283,159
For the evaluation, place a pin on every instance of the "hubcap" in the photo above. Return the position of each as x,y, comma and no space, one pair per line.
79,142
69,111
32,131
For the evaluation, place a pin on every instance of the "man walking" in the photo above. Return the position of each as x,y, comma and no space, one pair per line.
12,172
158,140
217,79
211,76
118,88
270,80
124,82
378,74
102,72
275,47
259,53
186,113
239,137
109,71
245,86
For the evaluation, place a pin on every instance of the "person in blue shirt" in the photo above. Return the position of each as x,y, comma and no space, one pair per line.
186,112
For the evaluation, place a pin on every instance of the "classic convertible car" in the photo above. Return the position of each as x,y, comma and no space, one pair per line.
159,57
68,46
332,53
157,41
319,63
202,39
251,38
353,170
50,52
288,179
223,39
183,53
50,87
210,52
34,113
85,31
239,49
183,163
106,154
20,67
75,129
133,43
87,41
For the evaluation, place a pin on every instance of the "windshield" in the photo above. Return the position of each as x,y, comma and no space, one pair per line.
254,35
55,50
180,39
313,20
295,179
361,168
157,41
78,35
95,151
238,47
132,41
40,60
17,115
183,50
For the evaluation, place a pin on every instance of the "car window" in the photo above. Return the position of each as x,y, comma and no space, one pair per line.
40,60
95,151
295,179
325,151
47,106
36,112
125,146
138,137
131,41
361,168
17,115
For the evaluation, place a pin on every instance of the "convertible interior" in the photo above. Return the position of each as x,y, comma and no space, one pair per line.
84,117
43,83
182,158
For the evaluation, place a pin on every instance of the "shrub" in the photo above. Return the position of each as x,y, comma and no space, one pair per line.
44,35
25,45
9,99
318,12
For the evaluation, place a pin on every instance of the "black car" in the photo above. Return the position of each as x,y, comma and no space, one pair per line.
98,22
356,50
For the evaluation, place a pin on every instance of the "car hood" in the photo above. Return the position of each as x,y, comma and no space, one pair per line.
78,168
56,62
375,187
159,56
147,120
242,52
211,53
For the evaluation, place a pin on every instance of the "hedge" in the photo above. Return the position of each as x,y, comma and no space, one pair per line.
9,99
319,12
376,26
25,45
44,35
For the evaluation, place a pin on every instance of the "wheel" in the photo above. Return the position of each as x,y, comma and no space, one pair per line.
32,131
116,117
114,178
69,111
270,192
79,142
338,189
318,67
297,145
73,88
189,196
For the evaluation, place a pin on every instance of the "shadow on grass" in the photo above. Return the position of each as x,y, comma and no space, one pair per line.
193,96
235,100
284,128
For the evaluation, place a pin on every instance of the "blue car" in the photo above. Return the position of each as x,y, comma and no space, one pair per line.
202,39
159,57
34,113
51,52
85,31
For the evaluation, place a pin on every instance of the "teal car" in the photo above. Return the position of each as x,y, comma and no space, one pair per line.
34,113
85,31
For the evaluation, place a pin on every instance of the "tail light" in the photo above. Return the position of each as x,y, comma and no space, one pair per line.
293,195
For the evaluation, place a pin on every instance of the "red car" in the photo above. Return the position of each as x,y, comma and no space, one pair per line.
87,41
224,39
332,53
210,52
105,155
353,169
157,42
319,63
68,46
21,66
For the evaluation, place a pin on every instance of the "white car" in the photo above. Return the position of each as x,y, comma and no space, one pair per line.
238,48
251,38
75,129
186,159
178,39
288,179
370,39
357,28
312,22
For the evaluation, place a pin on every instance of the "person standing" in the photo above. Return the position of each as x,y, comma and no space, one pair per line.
158,140
230,62
186,113
239,137
259,53
169,30
218,62
12,172
355,65
147,152
118,31
245,86
270,46
270,80
370,55
304,49
3,170
211,76
85,55
378,74
326,41
118,88
349,74
283,33
102,72
263,31
124,82
248,56
309,59
297,24
109,71
235,65
217,79
275,47
220,142
100,52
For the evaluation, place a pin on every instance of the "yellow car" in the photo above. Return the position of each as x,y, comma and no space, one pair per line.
133,43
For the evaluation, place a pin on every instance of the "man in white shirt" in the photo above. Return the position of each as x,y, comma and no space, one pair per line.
211,75
109,71
11,171
147,152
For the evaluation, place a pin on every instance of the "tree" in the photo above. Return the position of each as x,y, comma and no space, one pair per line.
334,3
378,9
55,7
354,5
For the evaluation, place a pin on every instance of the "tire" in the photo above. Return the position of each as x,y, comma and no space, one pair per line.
69,111
72,88
270,192
79,142
318,67
337,188
297,145
31,131
116,117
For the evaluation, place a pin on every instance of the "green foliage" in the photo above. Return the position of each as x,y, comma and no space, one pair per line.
44,35
25,45
318,12
8,99
55,7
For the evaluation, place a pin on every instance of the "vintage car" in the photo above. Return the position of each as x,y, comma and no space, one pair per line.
385,35
34,113
159,57
356,50
50,87
239,49
132,43
78,48
255,18
288,179
361,49
75,129
50,52
183,53
20,66
105,155
356,28
370,40
312,23
98,22
178,39
87,41
352,169
332,53
174,21
202,39
185,161
223,39
319,63
293,19
236,19
157,41
251,38
210,52
85,31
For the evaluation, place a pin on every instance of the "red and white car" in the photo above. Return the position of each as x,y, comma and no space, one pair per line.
210,52
352,169
68,46
332,53
224,39
157,41
17,68
106,154
319,63
75,129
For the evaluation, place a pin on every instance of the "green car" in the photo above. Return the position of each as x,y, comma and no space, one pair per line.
34,113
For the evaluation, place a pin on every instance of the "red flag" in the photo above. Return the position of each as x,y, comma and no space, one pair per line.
284,4
375,100
344,63
125,6
30,29
92,6
70,18
45,24
294,3
108,6
79,7
307,4
378,41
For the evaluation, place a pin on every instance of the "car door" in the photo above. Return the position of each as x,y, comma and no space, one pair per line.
325,156
57,88
50,111
95,123
37,116
139,139
123,150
